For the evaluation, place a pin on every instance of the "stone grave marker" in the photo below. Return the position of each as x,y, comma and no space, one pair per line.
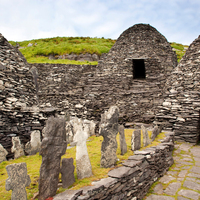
17,147
136,140
67,171
83,165
3,154
17,180
34,145
123,145
146,139
109,129
155,132
52,148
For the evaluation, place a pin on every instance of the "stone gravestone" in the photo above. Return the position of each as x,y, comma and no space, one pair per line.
155,132
146,139
67,171
34,145
17,180
83,165
123,145
136,140
3,154
109,129
52,148
17,147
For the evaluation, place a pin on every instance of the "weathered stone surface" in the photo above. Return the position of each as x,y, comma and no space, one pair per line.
83,165
146,139
155,132
189,194
166,179
67,171
158,189
191,185
34,145
52,148
123,145
172,188
136,140
17,147
159,197
17,180
3,154
109,129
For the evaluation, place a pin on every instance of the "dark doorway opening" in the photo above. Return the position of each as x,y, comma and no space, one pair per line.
139,69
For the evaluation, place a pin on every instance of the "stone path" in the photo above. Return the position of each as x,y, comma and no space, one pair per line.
182,181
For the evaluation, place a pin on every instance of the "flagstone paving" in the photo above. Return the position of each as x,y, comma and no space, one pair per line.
182,181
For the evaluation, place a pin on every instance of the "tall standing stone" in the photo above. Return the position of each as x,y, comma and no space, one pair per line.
67,171
3,154
17,180
109,129
17,147
155,132
34,145
122,140
136,140
52,148
146,139
83,165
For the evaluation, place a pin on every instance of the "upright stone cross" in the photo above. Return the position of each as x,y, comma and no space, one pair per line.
17,181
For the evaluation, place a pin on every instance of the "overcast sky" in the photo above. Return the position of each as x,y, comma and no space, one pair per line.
177,20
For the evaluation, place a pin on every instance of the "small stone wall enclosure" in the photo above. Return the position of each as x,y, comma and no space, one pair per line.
29,93
133,179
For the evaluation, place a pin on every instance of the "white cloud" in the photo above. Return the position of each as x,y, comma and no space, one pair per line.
177,20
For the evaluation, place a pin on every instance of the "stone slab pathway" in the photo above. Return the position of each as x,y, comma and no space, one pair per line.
182,181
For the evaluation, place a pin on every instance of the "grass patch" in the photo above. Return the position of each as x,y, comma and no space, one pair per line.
68,45
94,151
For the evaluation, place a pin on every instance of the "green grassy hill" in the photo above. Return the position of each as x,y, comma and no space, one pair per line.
37,51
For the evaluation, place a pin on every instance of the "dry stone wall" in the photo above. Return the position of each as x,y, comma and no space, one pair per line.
19,114
86,91
181,108
133,179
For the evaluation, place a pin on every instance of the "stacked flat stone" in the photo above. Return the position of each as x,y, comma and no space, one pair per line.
86,91
180,110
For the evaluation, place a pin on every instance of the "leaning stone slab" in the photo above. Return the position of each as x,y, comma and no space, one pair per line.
67,171
52,148
136,140
17,180
146,139
3,154
83,165
123,145
109,129
34,145
17,147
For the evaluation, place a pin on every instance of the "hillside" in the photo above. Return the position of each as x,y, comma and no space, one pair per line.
50,50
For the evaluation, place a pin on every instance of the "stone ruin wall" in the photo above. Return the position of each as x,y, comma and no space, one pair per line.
181,108
19,115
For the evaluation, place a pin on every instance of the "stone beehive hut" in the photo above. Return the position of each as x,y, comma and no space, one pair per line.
17,95
135,70
181,108
132,76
